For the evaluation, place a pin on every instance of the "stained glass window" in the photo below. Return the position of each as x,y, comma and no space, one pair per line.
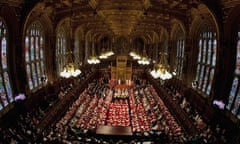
200,50
233,92
210,42
210,81
180,56
34,45
6,96
61,53
207,45
234,96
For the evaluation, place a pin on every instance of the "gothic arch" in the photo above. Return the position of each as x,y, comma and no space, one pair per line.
177,27
204,32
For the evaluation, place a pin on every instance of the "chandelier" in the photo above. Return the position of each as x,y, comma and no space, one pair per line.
155,73
103,54
93,59
162,69
108,52
70,71
144,59
134,54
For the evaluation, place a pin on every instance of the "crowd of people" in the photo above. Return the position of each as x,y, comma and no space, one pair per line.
206,134
23,127
118,113
64,90
141,108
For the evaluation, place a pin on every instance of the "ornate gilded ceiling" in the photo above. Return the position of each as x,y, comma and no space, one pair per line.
121,17
116,17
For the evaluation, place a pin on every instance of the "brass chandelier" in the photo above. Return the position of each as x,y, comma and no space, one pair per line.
162,69
70,69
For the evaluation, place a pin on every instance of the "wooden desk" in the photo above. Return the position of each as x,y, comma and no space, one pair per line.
114,130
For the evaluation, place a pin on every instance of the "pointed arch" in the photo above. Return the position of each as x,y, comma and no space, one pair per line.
164,37
232,31
204,31
79,45
61,47
178,44
6,96
34,55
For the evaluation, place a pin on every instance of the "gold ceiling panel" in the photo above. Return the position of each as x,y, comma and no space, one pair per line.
120,17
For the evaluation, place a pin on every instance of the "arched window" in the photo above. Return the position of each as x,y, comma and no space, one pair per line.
61,53
234,96
34,55
207,48
6,96
179,56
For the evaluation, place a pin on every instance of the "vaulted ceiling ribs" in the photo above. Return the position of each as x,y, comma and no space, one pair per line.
121,17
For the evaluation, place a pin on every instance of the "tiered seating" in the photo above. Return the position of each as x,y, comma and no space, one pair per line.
89,110
26,128
140,121
64,90
105,107
174,128
118,114
76,109
186,106
206,134
84,119
139,117
143,110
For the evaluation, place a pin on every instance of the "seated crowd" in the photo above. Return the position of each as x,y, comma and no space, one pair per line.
144,111
206,133
118,113
24,127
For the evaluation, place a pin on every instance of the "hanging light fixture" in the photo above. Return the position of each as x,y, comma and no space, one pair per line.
93,59
162,69
109,50
134,54
155,73
104,52
70,69
144,60
106,49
